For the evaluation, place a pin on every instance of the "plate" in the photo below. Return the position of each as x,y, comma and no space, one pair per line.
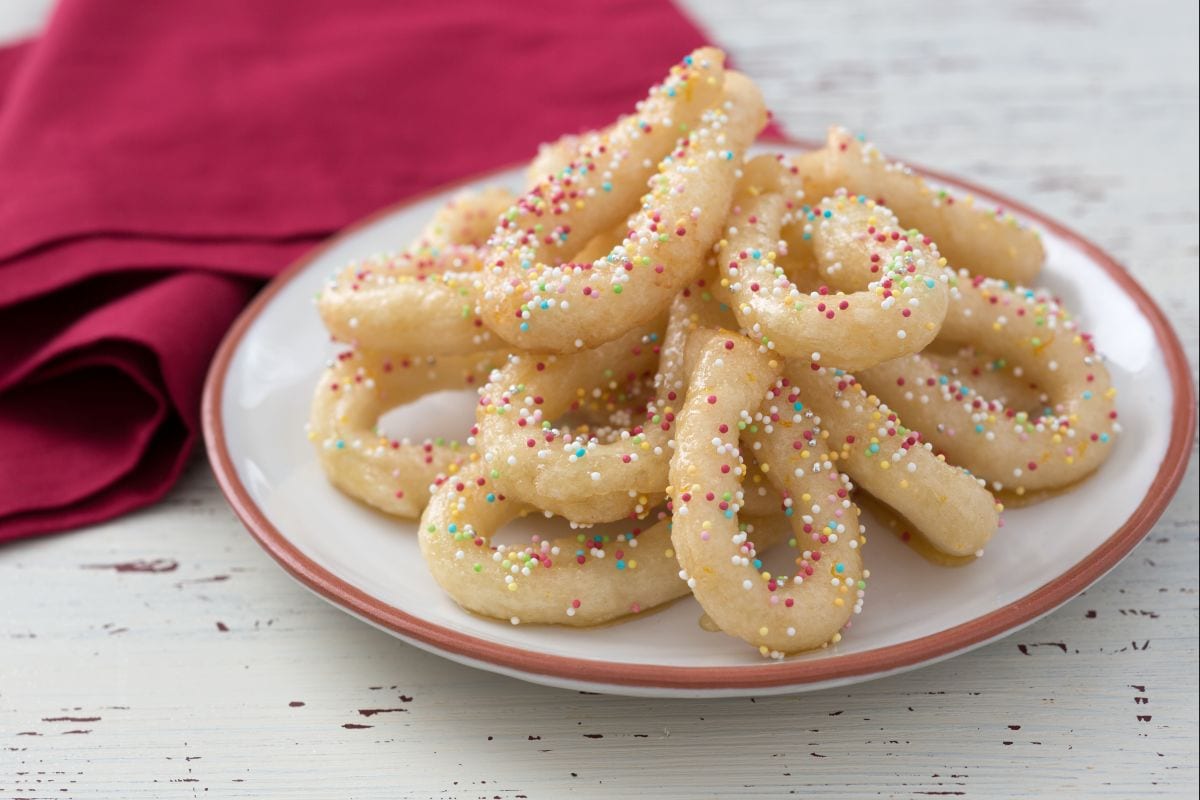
256,403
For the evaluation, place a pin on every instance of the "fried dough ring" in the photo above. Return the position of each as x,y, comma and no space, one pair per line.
466,219
984,241
991,376
579,580
592,478
357,388
514,433
536,302
899,306
638,461
1063,442
908,533
951,509
421,300
570,580
554,157
407,303
719,561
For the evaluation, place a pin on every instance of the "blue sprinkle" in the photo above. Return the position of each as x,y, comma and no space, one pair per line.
340,444
524,327
621,565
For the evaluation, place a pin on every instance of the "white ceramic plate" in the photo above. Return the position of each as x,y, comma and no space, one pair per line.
256,404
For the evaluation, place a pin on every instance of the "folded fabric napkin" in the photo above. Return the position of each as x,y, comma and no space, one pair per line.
159,160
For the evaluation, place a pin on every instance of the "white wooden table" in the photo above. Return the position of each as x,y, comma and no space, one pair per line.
164,655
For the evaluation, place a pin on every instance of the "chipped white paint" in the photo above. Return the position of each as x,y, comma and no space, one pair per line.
202,670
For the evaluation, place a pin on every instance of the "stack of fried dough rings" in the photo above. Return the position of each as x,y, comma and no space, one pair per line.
719,351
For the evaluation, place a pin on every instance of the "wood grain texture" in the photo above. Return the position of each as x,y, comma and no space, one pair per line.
164,655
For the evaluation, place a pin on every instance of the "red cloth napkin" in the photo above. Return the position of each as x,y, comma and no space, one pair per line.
158,160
